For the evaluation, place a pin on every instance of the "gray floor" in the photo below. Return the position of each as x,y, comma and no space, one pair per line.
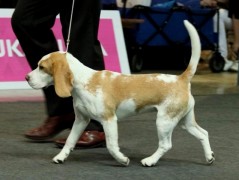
217,102
218,114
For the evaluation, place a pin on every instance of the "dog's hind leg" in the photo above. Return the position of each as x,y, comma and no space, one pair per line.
76,131
193,128
111,132
165,127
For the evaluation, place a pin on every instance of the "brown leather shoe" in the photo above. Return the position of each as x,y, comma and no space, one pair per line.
89,139
51,127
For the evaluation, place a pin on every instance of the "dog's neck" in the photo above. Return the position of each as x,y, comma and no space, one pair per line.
81,73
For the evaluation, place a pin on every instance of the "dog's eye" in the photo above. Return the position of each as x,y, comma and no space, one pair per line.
41,67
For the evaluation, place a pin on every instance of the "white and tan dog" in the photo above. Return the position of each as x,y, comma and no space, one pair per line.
108,96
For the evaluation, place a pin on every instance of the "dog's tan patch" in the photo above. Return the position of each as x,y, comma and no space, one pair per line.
144,90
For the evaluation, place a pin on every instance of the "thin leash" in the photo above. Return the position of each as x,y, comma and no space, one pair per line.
69,31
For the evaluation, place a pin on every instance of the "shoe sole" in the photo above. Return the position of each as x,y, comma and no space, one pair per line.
42,138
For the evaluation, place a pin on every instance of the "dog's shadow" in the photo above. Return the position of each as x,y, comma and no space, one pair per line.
162,162
101,156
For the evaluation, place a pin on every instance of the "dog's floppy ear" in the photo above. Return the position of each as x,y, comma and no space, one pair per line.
63,77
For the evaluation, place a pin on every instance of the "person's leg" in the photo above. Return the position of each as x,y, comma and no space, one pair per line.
233,8
235,27
32,22
85,46
225,23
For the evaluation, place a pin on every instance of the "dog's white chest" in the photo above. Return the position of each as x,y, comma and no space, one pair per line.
89,109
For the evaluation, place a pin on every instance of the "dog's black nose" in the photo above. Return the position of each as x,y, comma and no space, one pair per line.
27,77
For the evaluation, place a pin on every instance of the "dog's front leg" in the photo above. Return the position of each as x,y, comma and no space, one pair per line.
76,131
111,133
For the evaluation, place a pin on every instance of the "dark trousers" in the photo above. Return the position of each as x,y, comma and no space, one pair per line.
32,21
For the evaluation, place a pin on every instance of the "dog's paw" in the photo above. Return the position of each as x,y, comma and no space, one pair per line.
125,162
210,159
59,159
148,162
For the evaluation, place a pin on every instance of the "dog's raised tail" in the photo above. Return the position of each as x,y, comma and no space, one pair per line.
195,51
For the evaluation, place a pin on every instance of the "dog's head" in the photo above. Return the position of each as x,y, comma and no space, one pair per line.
53,69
